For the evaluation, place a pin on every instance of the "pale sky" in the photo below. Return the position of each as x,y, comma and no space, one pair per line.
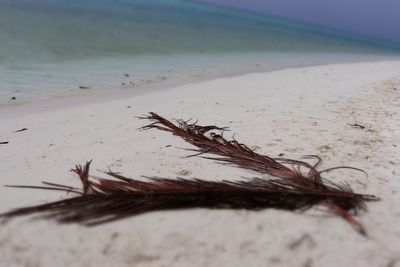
378,19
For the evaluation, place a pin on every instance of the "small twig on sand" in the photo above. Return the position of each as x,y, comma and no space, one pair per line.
357,125
20,130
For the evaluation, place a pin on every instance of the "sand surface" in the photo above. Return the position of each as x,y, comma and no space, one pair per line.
297,112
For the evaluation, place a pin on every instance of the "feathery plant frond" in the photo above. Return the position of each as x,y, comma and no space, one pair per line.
301,176
287,186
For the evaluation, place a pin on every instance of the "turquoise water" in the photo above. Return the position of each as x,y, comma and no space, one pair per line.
54,47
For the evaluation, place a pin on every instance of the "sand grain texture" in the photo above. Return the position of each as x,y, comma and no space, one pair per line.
296,112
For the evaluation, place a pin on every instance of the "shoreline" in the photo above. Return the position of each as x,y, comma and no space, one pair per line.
296,111
118,92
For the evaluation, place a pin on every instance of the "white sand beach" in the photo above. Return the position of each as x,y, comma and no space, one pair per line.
296,112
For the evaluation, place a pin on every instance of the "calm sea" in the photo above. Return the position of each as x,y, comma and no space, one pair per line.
58,47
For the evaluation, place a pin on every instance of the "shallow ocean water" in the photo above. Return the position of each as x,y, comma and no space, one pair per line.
58,47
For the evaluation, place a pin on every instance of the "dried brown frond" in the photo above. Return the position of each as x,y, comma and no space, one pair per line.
104,200
297,173
290,185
